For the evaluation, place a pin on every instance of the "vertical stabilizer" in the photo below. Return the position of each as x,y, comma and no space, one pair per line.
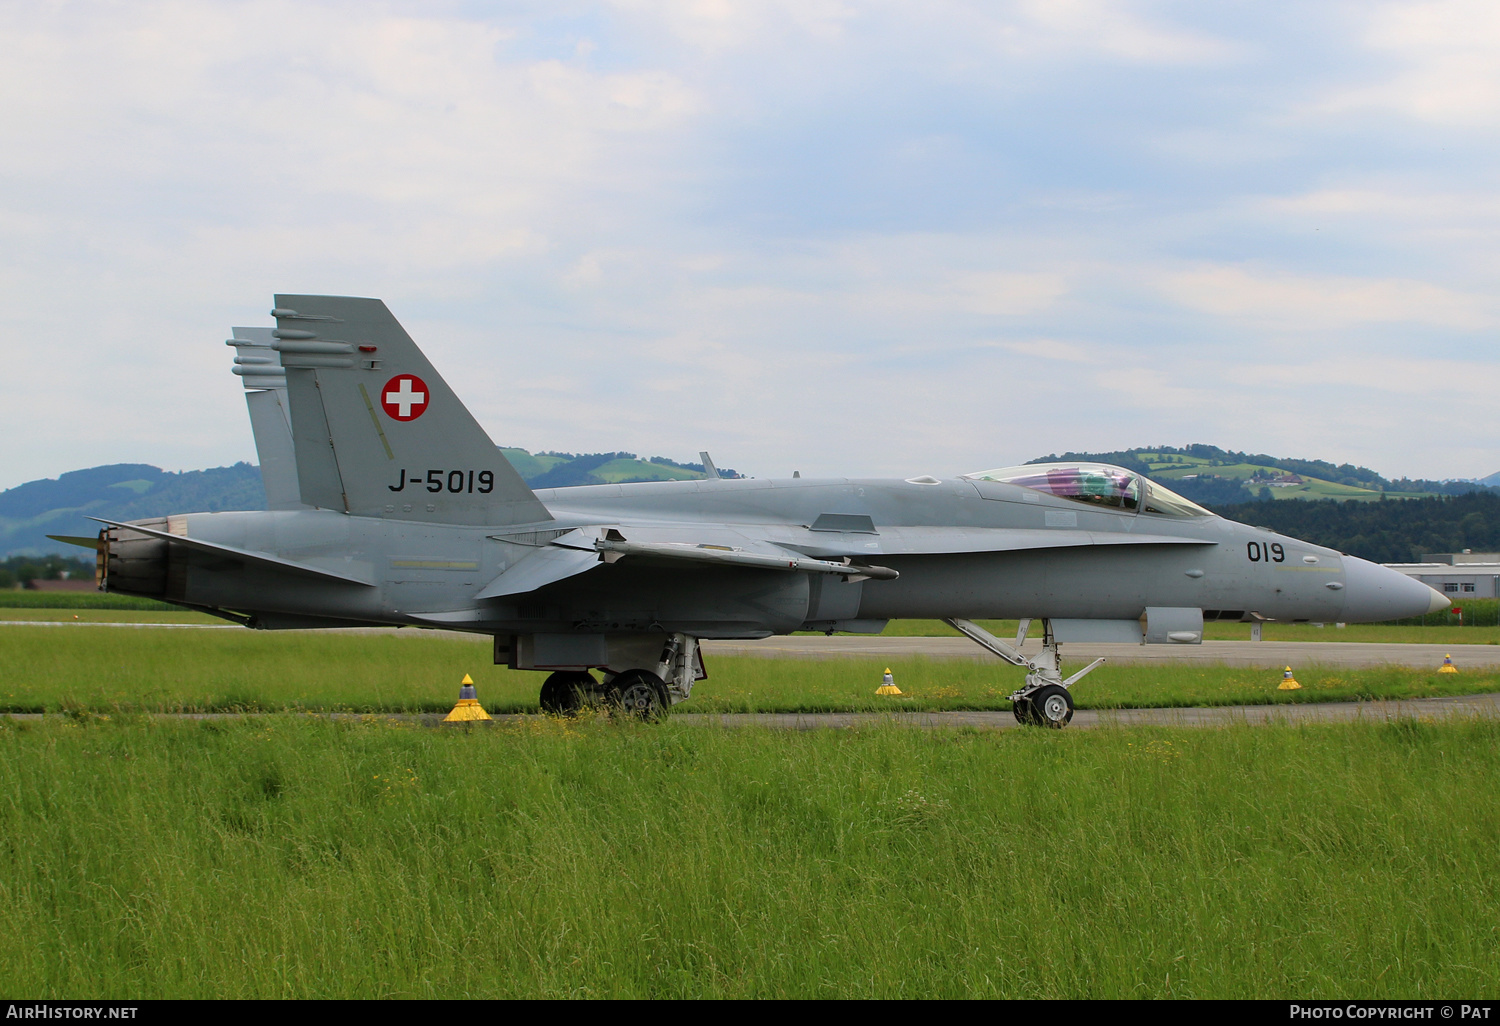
377,431
258,366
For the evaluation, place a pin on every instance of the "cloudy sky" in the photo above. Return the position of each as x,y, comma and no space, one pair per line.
839,237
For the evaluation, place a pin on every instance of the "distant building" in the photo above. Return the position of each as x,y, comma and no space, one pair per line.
1466,556
1458,575
80,584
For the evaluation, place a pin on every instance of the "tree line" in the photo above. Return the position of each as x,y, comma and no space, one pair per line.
22,570
1385,531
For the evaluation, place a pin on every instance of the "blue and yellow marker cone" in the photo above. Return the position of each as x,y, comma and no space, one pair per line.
888,684
468,708
1447,666
1288,682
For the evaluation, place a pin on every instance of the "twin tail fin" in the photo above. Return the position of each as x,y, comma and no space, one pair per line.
377,431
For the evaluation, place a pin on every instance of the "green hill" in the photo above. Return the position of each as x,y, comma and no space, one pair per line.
1215,477
120,491
565,469
133,491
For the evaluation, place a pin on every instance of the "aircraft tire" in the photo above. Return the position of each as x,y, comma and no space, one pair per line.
1025,715
564,692
1051,706
639,694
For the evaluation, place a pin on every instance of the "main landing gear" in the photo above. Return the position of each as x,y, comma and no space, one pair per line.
1043,700
639,693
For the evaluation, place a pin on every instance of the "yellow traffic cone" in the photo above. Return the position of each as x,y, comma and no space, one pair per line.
468,707
1447,666
888,684
1288,682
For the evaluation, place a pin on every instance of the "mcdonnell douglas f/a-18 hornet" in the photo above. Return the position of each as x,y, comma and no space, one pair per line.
390,505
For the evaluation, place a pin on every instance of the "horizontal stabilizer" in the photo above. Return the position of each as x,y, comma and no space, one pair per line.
82,543
264,559
541,568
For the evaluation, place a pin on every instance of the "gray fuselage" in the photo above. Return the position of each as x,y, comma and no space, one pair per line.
963,548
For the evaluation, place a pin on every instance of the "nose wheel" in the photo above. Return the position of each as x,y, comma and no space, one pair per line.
1044,701
1048,706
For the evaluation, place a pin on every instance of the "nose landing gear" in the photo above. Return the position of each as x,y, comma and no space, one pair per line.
1043,700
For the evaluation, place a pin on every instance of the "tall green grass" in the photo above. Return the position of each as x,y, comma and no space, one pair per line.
292,857
1477,612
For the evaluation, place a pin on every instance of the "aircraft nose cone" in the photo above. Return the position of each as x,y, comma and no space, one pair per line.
1373,593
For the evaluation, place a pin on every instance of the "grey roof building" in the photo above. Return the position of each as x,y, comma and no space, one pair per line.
1458,575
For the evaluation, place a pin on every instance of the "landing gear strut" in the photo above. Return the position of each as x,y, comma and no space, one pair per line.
1043,700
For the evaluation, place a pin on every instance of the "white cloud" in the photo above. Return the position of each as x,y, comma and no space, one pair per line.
1321,301
841,237
1449,51
1047,349
1115,29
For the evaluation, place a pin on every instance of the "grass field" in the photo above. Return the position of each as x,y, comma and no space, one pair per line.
75,600
1430,634
170,615
56,669
292,857
1365,633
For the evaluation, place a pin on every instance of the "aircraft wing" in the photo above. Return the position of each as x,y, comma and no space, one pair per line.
264,559
614,546
803,551
582,550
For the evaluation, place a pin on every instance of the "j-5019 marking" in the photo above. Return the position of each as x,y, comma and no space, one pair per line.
452,480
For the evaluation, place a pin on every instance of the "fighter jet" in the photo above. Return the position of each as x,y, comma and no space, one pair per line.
390,505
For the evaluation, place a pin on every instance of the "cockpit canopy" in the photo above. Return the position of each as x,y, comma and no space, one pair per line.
1097,484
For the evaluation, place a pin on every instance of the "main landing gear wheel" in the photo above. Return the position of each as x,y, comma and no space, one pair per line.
639,694
1022,709
1051,706
564,693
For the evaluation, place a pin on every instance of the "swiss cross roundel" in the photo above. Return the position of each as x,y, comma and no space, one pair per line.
404,397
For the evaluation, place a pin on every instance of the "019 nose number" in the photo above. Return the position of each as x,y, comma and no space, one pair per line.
455,481
1271,552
